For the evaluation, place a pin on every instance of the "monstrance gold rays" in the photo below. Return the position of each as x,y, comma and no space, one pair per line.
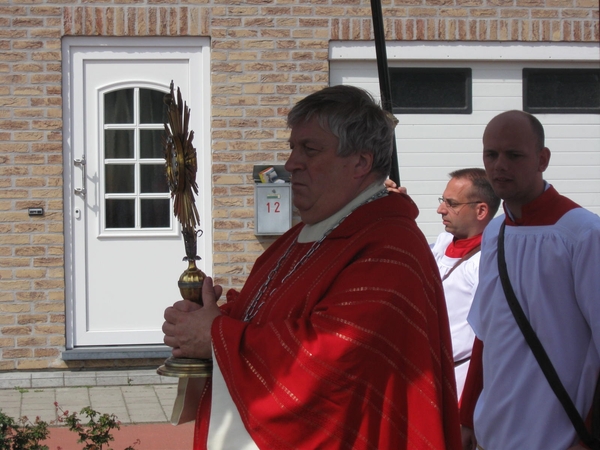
181,167
180,156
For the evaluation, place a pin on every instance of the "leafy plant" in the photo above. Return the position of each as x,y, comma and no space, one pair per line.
22,434
96,432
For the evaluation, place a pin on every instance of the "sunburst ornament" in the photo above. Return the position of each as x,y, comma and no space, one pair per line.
181,167
181,162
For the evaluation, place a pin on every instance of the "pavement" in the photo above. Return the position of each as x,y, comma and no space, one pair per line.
142,400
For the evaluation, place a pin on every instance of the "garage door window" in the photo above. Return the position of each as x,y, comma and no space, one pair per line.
426,90
561,91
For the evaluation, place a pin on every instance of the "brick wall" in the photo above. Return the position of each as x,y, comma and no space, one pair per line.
266,54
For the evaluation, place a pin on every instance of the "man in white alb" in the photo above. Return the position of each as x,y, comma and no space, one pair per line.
467,206
552,254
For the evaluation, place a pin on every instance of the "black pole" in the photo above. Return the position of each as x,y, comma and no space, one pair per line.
385,87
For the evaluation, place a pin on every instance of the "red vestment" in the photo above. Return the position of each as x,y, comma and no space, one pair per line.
352,351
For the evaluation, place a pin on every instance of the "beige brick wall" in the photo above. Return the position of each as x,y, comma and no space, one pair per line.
266,54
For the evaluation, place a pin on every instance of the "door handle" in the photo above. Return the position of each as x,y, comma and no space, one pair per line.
81,163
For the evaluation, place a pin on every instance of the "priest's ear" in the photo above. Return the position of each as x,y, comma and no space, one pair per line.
364,164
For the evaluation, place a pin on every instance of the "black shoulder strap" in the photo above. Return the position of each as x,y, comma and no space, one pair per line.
540,354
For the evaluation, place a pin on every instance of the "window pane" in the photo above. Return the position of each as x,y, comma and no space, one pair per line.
118,106
153,178
561,90
120,213
119,179
152,106
151,144
156,213
431,90
118,144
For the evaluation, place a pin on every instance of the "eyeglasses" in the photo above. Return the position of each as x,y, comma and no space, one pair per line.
452,204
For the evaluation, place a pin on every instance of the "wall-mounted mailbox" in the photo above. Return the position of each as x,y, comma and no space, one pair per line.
272,200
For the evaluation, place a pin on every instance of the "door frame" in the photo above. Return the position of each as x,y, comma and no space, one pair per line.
97,47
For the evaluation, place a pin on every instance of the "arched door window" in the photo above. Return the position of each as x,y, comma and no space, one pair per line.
136,194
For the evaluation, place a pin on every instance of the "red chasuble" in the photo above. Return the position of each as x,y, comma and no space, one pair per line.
352,351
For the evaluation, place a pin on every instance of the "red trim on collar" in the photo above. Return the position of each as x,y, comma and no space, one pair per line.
547,209
460,247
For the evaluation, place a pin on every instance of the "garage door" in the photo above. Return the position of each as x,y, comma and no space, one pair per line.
432,145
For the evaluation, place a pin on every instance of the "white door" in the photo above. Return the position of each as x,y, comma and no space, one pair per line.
126,245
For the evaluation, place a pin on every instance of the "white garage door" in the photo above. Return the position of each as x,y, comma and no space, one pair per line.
432,145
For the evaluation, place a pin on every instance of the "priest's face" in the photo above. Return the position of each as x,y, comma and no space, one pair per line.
321,180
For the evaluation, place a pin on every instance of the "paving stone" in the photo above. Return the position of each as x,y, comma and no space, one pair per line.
132,396
15,380
72,399
9,404
105,390
81,379
137,388
52,379
144,378
40,399
111,380
13,411
72,394
9,395
147,416
141,396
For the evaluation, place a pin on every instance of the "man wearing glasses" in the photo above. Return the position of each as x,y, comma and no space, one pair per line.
467,206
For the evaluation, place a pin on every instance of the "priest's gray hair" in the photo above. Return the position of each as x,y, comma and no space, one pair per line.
354,117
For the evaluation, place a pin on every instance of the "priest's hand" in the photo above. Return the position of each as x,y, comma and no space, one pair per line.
187,324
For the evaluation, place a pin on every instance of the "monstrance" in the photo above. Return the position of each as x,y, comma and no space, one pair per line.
181,167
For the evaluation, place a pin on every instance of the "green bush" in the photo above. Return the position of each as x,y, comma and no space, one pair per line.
22,434
94,433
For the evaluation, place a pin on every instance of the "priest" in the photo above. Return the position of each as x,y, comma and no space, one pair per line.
339,339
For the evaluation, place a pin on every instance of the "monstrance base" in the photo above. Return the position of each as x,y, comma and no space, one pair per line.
186,367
